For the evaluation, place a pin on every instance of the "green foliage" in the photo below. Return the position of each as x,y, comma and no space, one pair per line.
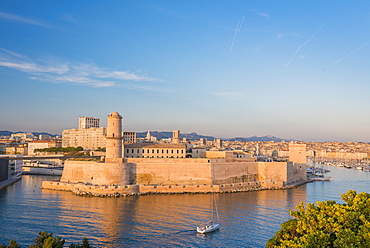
12,244
99,149
328,224
60,149
85,244
47,240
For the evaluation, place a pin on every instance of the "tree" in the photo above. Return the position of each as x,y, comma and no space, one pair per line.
12,244
47,240
328,224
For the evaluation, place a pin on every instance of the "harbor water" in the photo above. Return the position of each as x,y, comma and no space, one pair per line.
247,219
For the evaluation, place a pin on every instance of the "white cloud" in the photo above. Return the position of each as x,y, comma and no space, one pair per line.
351,53
304,43
57,71
263,14
17,18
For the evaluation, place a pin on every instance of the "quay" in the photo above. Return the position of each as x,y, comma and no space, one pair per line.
9,181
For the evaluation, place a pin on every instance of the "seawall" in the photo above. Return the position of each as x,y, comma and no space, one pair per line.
125,190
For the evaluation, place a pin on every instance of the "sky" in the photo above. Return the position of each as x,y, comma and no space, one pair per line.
224,68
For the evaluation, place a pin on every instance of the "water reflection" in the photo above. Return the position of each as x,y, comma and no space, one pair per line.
247,219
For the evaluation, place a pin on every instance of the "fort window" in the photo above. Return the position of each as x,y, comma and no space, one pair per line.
138,150
167,151
157,150
148,151
127,150
171,151
152,150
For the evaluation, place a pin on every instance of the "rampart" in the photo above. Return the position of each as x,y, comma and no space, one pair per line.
170,175
94,173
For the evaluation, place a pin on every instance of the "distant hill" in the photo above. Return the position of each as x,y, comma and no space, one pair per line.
8,133
166,135
195,136
263,138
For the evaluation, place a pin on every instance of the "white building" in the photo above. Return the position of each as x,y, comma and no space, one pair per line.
88,122
129,137
90,138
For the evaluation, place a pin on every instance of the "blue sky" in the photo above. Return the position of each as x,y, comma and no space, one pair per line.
292,69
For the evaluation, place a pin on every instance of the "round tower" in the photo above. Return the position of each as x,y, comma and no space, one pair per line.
114,138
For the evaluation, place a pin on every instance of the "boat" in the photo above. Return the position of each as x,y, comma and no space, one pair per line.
208,227
211,225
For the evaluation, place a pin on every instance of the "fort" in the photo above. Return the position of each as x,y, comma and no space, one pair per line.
119,175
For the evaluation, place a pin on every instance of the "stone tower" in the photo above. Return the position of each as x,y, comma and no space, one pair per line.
114,138
176,136
297,153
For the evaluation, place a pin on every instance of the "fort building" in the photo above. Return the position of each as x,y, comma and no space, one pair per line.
151,150
164,168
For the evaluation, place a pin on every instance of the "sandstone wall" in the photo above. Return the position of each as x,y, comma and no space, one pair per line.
163,171
144,189
273,173
94,173
233,172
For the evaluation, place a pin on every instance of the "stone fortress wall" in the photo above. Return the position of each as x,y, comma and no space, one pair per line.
119,175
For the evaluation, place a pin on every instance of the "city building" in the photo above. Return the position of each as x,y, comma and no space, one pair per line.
14,148
88,122
41,145
44,137
89,139
22,136
129,137
218,143
159,150
2,148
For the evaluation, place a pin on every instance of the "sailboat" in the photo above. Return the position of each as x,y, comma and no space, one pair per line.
211,225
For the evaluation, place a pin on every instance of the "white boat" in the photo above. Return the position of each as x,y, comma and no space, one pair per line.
210,226
207,228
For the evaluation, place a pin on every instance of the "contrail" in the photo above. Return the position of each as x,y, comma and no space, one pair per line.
354,51
305,43
237,30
